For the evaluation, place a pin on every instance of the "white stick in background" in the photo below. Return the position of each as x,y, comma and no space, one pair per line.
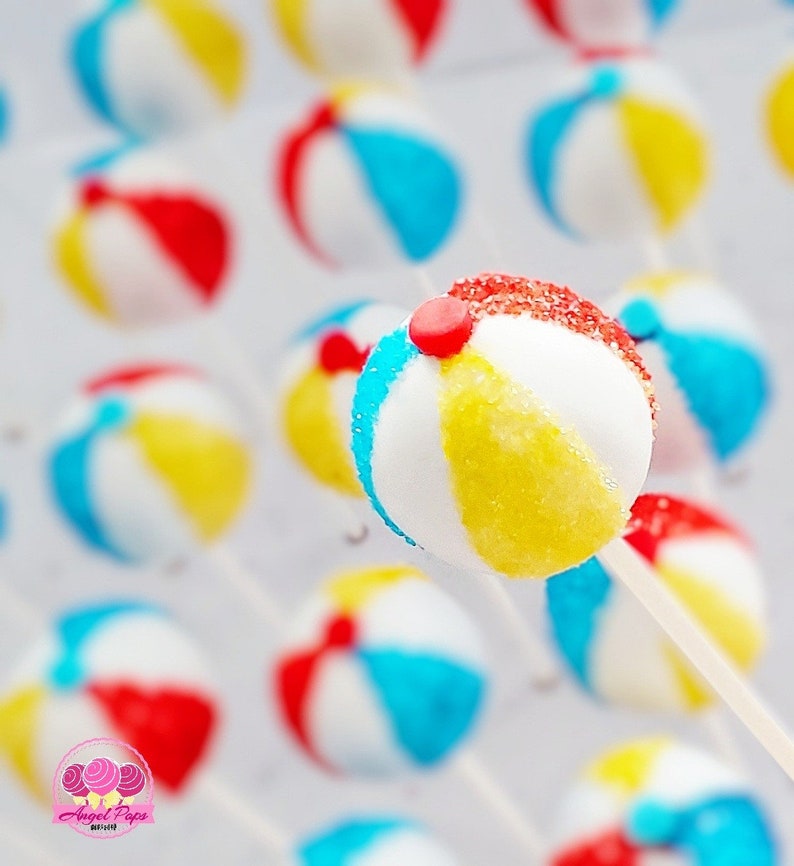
655,254
479,778
626,565
544,671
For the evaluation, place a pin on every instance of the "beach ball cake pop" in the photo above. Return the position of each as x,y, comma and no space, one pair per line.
365,181
779,117
374,841
139,243
659,801
157,67
381,673
621,656
604,24
617,151
148,463
370,40
507,427
707,362
318,386
121,670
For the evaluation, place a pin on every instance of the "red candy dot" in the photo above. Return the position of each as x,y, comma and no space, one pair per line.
338,353
441,327
341,633
94,192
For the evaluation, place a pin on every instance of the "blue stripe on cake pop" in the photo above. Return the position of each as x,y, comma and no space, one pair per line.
385,365
68,671
726,386
576,599
544,144
89,60
344,844
660,9
336,318
431,703
70,477
729,830
415,184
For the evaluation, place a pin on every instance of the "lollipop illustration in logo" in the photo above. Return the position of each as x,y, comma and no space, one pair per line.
73,783
103,788
102,776
133,781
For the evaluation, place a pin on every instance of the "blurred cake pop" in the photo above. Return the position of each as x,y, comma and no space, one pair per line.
707,362
373,841
149,463
139,243
780,117
659,801
381,673
319,382
604,25
366,182
370,40
506,428
122,670
157,67
617,151
621,656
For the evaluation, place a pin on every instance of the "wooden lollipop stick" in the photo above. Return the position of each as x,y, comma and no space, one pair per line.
217,793
480,779
626,565
425,282
719,733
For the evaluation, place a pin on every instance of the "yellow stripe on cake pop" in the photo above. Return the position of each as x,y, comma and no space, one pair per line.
210,40
167,443
352,590
532,496
19,717
292,15
659,284
311,427
738,635
780,118
670,155
70,256
628,769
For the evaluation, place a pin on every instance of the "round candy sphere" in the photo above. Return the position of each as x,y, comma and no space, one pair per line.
611,646
319,381
707,362
618,151
119,669
369,40
780,117
139,243
604,24
156,67
148,463
366,182
382,673
659,801
506,428
375,841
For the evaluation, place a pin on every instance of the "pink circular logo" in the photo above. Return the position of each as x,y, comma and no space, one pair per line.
103,788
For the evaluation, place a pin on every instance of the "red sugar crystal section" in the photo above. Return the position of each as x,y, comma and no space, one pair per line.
500,294
656,518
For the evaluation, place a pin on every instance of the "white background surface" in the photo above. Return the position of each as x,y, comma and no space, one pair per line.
489,71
